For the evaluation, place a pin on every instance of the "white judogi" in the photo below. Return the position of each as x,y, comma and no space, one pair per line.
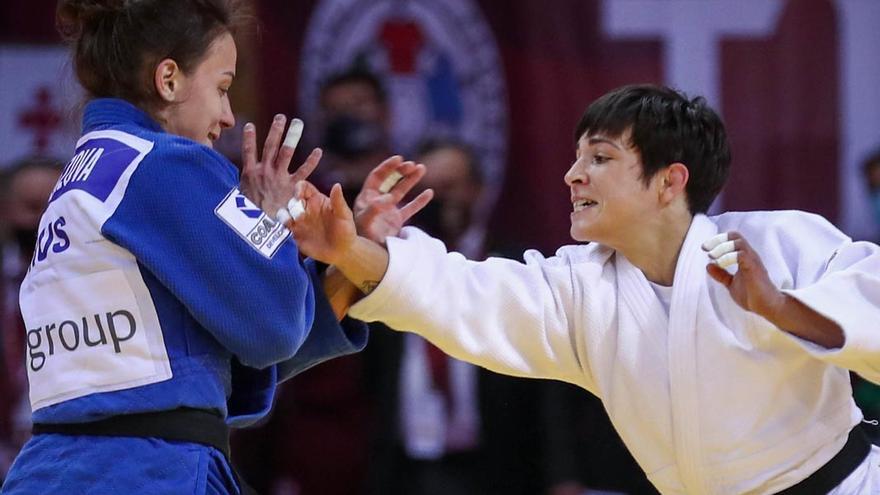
710,399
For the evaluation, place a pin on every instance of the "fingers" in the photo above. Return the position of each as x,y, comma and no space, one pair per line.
715,241
724,249
297,204
410,178
416,204
283,217
306,169
382,171
304,190
337,203
294,133
296,207
390,181
249,148
270,147
719,274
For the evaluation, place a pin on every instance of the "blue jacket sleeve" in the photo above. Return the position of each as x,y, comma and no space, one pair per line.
329,338
253,390
257,306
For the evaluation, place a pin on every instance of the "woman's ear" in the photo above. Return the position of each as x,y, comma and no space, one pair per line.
168,80
675,178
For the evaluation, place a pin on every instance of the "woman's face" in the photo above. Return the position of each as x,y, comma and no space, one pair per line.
200,109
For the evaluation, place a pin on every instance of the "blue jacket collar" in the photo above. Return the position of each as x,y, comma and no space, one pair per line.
106,112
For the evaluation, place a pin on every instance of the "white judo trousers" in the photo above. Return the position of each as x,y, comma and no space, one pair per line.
709,398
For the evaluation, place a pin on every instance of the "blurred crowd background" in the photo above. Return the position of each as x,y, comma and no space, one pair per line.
485,93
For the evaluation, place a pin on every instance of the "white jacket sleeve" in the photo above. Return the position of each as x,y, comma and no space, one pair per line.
848,293
506,316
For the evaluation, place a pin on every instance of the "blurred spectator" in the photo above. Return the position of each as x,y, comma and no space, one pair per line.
354,129
871,170
445,426
584,455
24,191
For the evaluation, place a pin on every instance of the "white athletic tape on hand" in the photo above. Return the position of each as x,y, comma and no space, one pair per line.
727,260
390,181
294,132
296,208
722,249
714,242
282,216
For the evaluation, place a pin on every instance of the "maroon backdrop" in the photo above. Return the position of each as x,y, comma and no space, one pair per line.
779,97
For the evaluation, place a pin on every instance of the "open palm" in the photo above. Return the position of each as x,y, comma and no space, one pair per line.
376,213
267,181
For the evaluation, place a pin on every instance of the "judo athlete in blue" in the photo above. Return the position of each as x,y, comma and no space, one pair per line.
162,305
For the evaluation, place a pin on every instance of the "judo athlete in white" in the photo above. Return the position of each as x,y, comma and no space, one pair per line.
720,381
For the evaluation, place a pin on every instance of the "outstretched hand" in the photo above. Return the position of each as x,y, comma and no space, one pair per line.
266,181
376,210
325,231
750,286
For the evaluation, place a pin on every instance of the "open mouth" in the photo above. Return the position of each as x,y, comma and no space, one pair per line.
583,204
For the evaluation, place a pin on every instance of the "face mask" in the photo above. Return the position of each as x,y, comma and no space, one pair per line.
351,137
430,219
439,222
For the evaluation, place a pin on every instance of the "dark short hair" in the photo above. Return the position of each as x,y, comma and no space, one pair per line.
356,75
871,161
33,162
432,144
666,127
118,43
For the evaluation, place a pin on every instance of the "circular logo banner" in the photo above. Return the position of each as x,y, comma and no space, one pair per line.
437,60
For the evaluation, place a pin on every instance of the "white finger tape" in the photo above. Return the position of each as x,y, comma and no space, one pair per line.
727,260
282,216
389,182
296,208
294,132
715,241
722,249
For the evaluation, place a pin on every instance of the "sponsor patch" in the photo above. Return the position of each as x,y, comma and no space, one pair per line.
259,230
90,336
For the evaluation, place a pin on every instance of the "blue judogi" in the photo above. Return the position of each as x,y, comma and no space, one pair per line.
157,285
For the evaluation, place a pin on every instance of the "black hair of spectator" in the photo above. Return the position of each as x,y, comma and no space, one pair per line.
8,174
430,145
117,44
666,127
356,75
871,161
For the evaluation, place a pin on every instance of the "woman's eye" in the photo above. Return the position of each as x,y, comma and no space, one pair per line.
599,159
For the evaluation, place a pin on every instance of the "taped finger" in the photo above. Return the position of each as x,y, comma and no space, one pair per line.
296,208
283,216
722,249
715,241
728,259
294,133
389,182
